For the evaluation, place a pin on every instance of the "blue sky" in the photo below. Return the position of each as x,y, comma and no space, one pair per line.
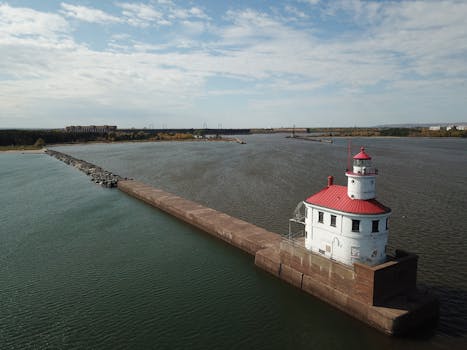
236,63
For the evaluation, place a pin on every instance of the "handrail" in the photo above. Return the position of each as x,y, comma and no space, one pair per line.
365,172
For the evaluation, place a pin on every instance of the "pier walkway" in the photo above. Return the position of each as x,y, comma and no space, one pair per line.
239,233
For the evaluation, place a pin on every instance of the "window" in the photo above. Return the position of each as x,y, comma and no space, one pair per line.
333,220
320,216
375,226
355,225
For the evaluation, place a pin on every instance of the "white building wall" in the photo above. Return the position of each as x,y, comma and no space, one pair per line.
340,243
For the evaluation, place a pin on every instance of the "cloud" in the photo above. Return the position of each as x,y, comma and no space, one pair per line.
311,2
184,13
142,15
88,14
392,51
295,12
163,13
43,69
24,22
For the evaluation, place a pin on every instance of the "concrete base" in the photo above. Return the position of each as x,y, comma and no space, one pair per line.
398,315
351,290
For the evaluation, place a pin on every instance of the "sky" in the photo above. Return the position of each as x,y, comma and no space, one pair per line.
232,64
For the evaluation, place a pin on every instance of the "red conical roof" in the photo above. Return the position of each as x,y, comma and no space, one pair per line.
335,197
362,154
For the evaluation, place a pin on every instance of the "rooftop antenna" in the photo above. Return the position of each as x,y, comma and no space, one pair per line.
349,145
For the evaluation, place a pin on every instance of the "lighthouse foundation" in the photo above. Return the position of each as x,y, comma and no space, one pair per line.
384,296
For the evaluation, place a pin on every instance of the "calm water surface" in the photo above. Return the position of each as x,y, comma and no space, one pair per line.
86,267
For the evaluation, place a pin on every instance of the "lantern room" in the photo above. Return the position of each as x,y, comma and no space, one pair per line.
361,180
362,163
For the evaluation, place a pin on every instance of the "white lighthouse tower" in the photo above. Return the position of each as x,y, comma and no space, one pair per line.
347,223
361,180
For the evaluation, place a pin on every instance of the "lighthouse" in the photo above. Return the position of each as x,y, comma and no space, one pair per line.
347,223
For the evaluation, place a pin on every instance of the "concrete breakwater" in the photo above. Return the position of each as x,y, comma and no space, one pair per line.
307,138
385,296
239,233
97,174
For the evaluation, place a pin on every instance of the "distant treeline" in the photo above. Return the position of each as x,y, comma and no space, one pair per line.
397,132
30,137
48,137
41,137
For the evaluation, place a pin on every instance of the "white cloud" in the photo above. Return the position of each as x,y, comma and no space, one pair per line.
194,28
88,14
295,12
415,49
311,2
21,22
184,13
43,68
197,12
162,14
142,15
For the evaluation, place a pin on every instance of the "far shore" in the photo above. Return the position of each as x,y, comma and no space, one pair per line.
142,141
30,151
19,149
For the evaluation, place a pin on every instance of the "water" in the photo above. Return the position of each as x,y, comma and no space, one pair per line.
86,267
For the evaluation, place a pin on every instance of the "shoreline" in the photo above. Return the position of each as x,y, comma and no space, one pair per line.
43,150
28,151
139,141
389,137
229,139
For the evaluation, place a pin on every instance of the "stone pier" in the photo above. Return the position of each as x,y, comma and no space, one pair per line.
239,233
385,296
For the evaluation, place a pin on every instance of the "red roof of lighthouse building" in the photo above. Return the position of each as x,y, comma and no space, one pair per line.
362,155
335,197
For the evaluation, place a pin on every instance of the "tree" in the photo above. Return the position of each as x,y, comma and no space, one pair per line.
199,133
39,143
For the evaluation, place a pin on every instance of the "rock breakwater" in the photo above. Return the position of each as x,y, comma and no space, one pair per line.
97,174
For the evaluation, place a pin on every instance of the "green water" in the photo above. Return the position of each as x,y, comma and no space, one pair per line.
87,267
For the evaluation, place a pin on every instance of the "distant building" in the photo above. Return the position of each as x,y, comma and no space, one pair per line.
448,127
97,129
